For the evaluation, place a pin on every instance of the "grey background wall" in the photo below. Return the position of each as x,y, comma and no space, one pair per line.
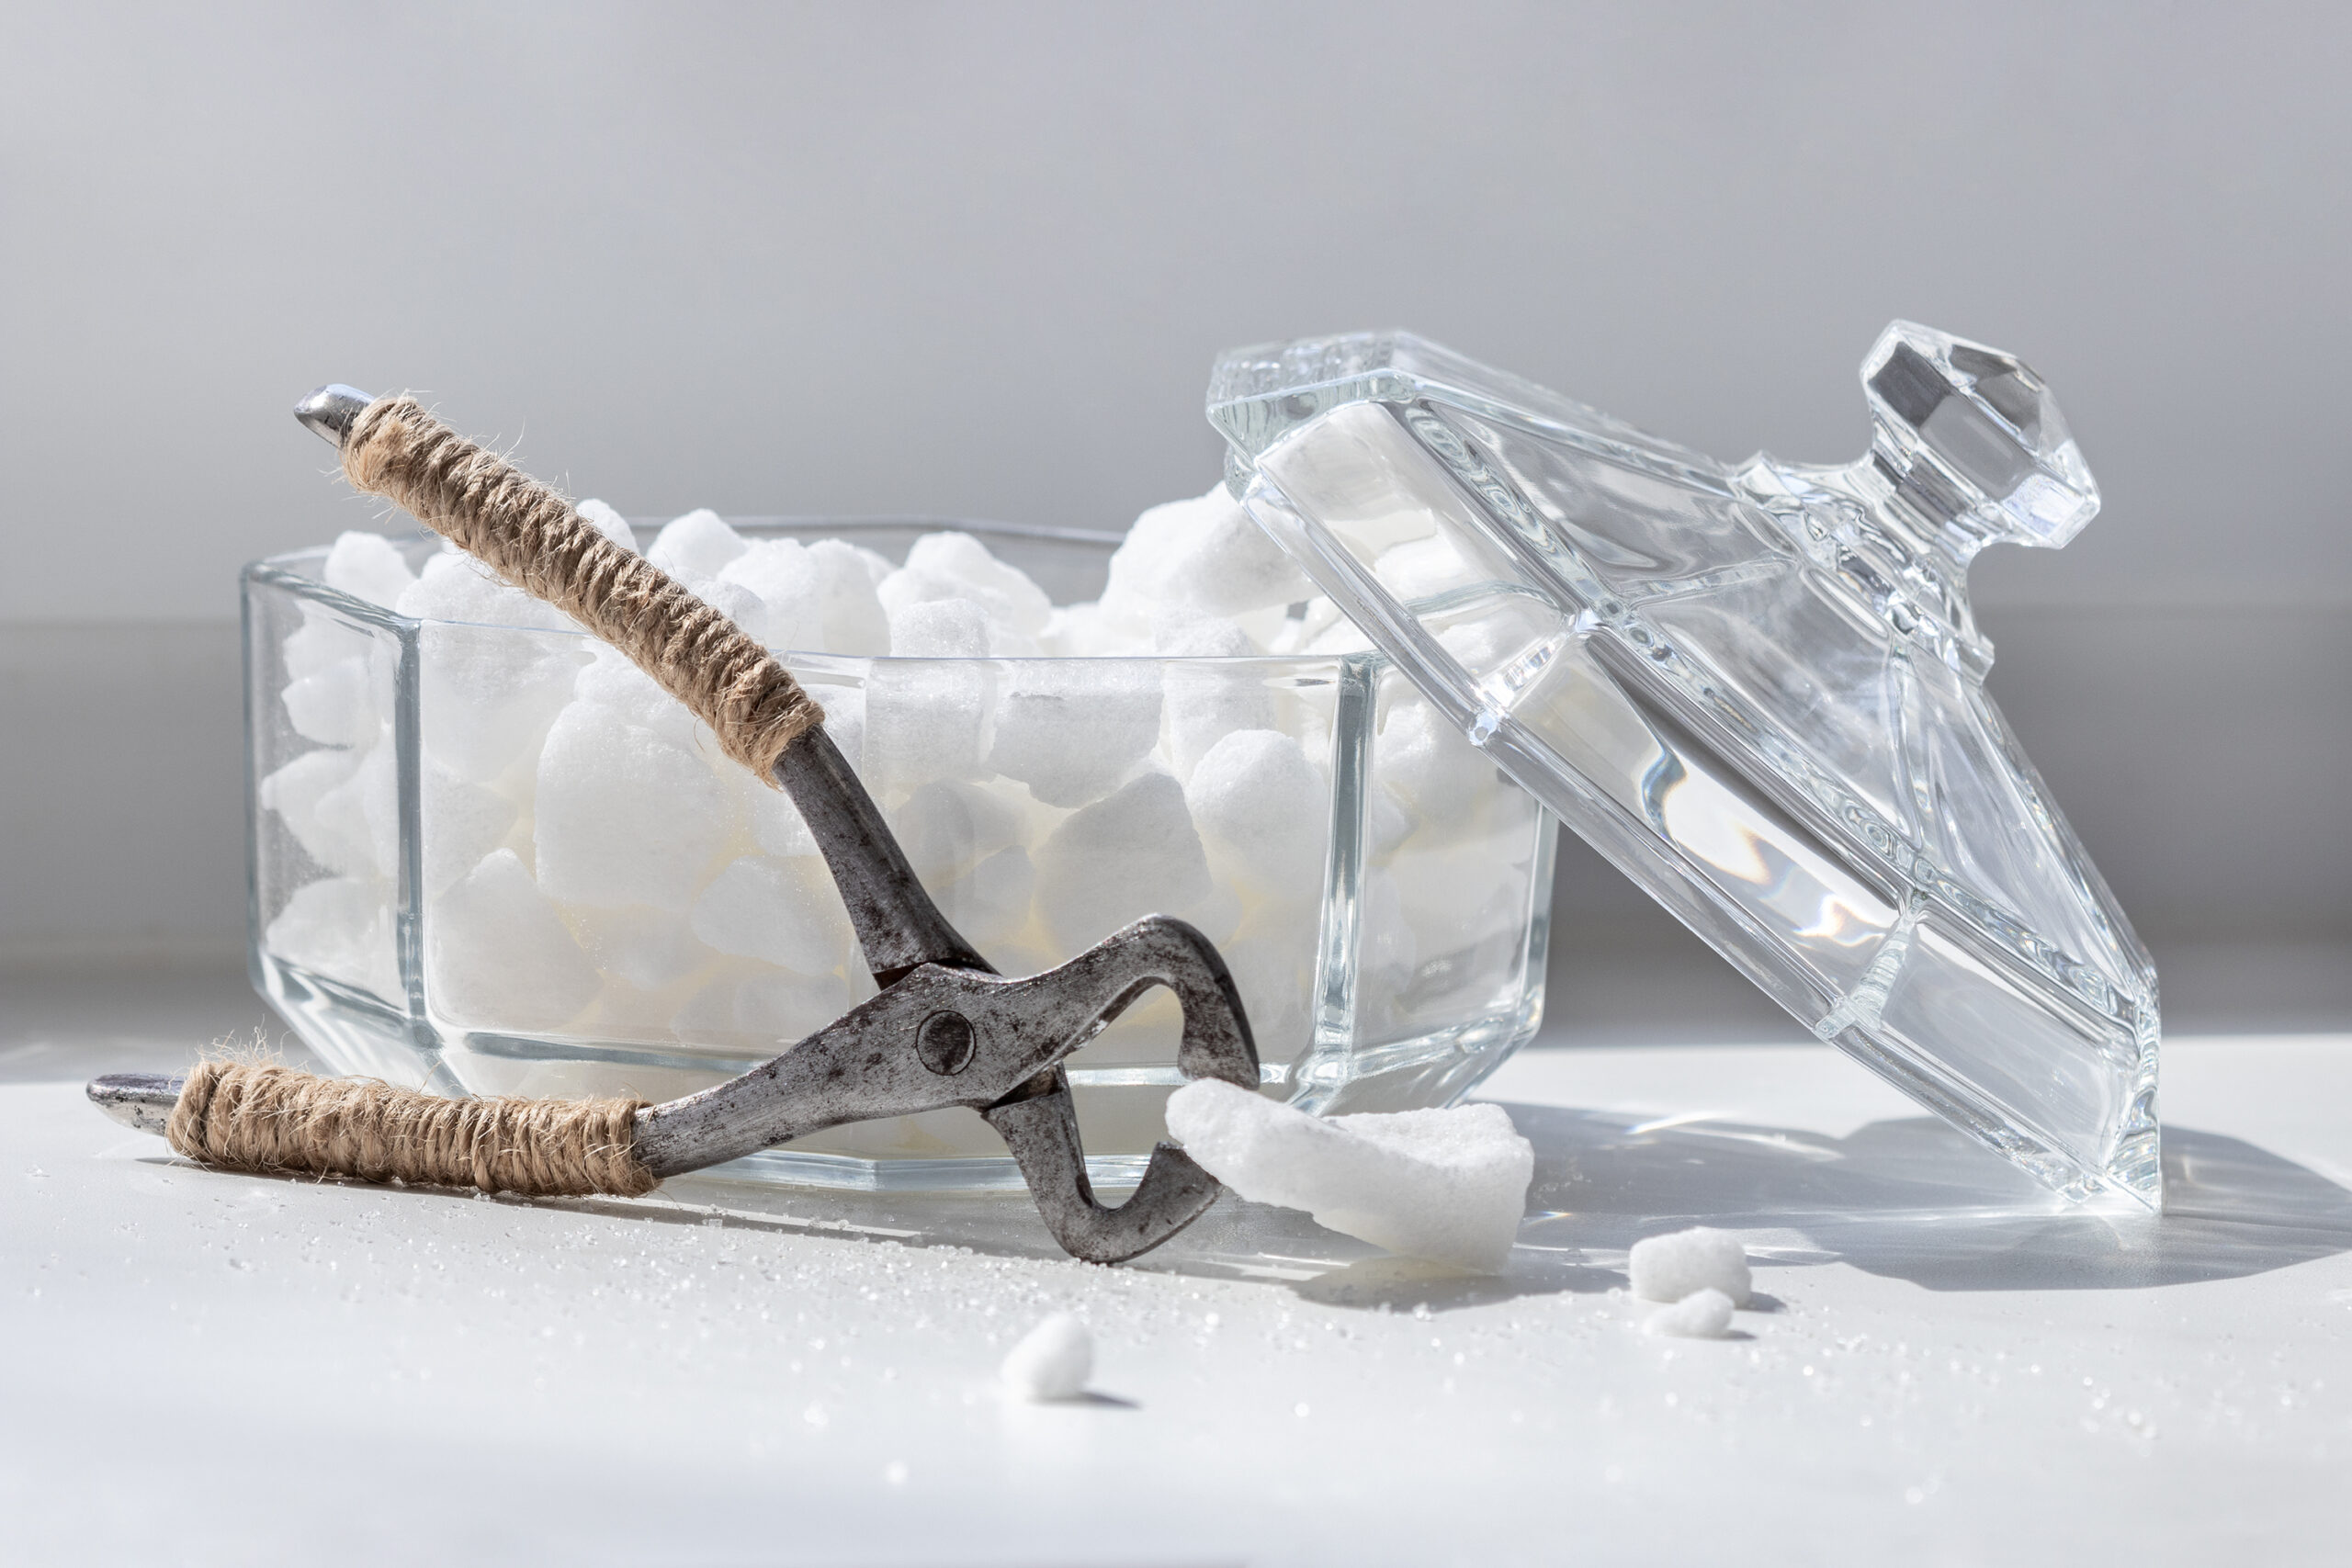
977,259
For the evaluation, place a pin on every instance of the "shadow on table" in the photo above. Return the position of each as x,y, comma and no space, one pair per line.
1915,1200
1908,1198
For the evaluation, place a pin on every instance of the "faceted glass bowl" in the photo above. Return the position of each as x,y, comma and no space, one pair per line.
1389,962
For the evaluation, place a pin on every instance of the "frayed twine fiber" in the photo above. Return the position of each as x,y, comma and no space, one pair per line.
531,536
257,1116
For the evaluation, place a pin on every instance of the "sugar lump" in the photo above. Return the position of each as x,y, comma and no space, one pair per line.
1052,1361
1449,1186
1701,1314
1669,1268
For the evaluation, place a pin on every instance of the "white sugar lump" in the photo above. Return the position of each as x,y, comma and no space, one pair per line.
1424,566
1425,762
294,791
360,813
1207,553
926,721
1011,599
947,828
939,628
462,822
453,586
340,927
815,597
497,955
1052,1361
623,816
1261,807
1701,1314
1668,1268
649,948
990,904
608,521
1130,854
766,1010
367,566
700,544
783,912
1072,728
1206,703
613,682
343,705
1447,1185
319,641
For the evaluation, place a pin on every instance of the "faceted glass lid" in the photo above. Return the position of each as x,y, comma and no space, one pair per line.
1756,689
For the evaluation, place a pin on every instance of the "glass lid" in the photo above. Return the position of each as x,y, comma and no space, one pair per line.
1756,689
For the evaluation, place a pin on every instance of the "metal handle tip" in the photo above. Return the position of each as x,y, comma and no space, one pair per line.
330,411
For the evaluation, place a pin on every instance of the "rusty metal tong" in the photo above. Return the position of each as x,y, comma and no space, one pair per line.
947,1029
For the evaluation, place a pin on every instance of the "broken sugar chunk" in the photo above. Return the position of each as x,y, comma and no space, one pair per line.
1701,1314
1052,1361
1669,1268
1447,1185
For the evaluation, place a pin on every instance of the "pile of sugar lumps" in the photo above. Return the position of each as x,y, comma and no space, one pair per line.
593,867
1446,1185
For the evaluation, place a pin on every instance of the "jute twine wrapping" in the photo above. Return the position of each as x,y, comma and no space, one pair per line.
255,1116
531,536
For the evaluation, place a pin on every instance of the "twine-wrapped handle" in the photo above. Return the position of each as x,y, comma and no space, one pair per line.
530,536
257,1116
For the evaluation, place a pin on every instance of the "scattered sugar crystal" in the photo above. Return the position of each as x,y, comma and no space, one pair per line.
1701,1314
623,815
608,521
367,566
340,927
497,955
1072,728
1262,809
1052,1361
783,912
1669,1268
1447,1185
1132,854
940,629
700,544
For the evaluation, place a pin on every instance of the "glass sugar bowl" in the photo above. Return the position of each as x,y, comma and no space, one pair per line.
493,859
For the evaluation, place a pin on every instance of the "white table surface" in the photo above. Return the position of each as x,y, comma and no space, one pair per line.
209,1368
